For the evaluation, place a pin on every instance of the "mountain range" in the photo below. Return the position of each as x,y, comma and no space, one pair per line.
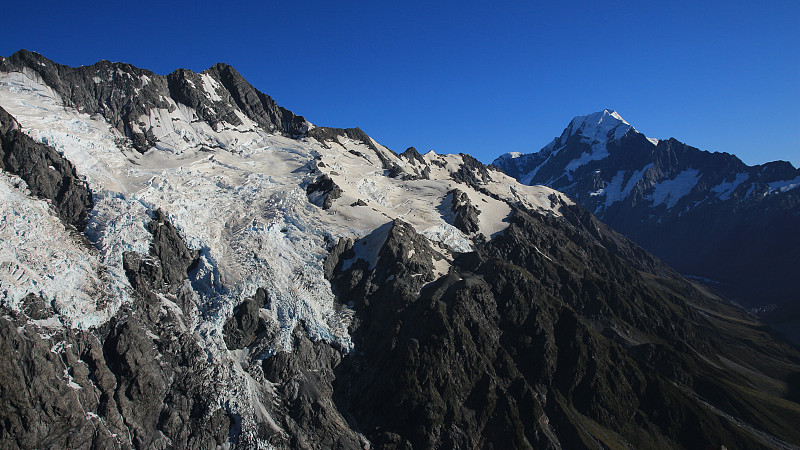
186,264
708,215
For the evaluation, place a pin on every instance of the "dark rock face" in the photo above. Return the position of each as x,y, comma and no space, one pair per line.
465,213
48,175
304,382
420,165
123,94
543,338
182,86
169,248
323,192
140,381
240,330
256,105
327,134
38,405
411,154
706,214
472,171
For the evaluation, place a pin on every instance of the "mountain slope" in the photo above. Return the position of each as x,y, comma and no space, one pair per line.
707,214
247,279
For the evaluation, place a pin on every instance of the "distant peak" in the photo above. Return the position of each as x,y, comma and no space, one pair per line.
600,126
609,116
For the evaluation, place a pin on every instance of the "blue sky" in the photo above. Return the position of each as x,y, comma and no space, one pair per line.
482,78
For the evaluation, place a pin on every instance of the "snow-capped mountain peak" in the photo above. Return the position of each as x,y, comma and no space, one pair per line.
648,189
599,126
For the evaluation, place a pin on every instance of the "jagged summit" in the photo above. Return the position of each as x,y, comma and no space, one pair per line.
600,126
151,110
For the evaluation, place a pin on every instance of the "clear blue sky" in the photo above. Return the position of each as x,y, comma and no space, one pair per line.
482,78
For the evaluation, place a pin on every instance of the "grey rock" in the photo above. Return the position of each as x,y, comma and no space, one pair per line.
48,174
411,154
304,380
122,96
465,213
240,330
527,343
183,84
323,191
45,395
169,248
256,105
36,307
337,253
472,171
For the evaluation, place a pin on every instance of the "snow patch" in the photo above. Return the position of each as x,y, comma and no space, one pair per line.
210,85
784,186
726,188
669,192
597,153
620,187
450,236
368,247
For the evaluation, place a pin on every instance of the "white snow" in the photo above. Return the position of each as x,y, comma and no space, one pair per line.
597,130
243,205
210,85
601,126
38,255
450,236
621,186
254,229
785,185
670,191
367,248
726,188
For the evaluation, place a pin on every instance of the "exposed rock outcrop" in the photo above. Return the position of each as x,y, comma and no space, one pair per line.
465,213
48,175
240,330
304,382
139,381
323,191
